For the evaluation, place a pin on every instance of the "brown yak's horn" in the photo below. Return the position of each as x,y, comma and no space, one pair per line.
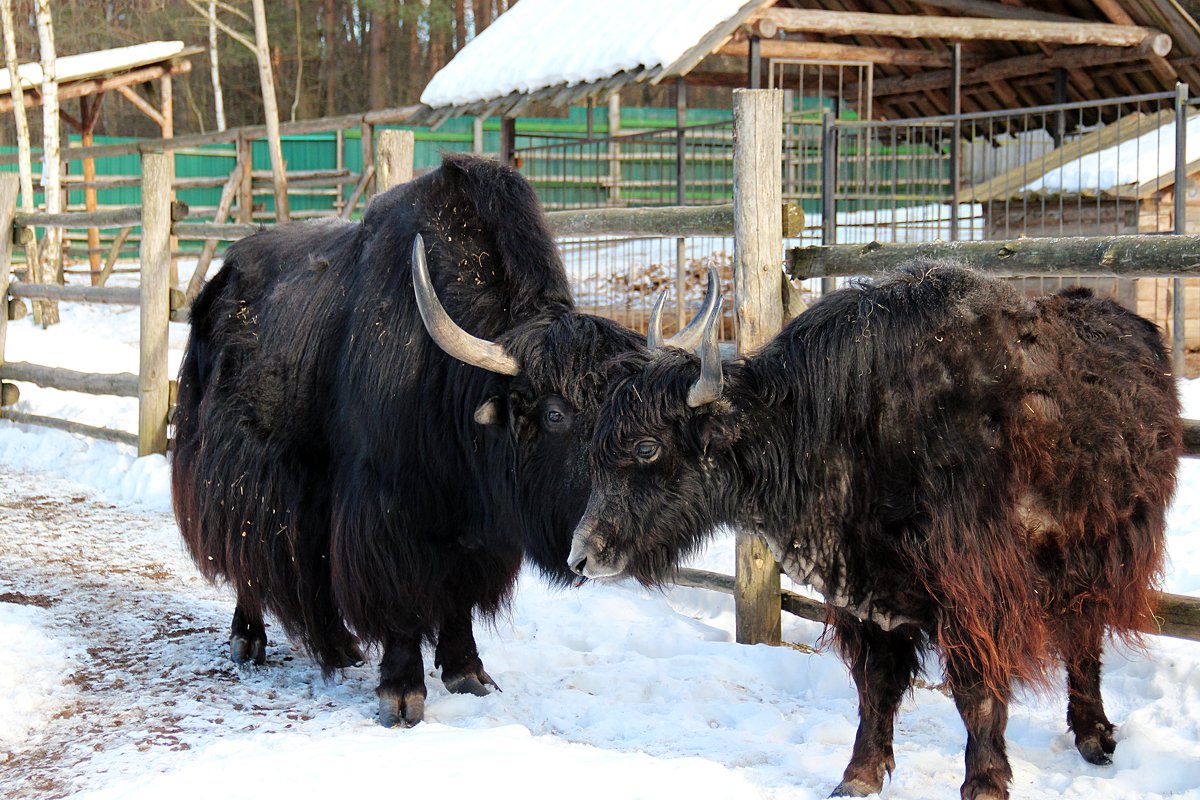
690,337
446,332
707,387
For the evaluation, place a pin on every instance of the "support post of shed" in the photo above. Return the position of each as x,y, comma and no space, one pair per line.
158,173
757,259
394,161
828,189
955,136
508,140
1179,310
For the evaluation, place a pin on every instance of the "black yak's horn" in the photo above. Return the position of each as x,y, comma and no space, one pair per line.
446,332
690,337
707,387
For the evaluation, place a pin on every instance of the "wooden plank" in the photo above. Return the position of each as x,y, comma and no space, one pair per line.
10,187
912,26
1005,69
757,231
108,218
114,252
106,295
121,384
832,51
225,232
93,431
394,159
157,175
1008,184
990,8
1191,437
1129,256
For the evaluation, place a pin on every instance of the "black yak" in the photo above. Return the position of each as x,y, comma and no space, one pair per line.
341,471
951,464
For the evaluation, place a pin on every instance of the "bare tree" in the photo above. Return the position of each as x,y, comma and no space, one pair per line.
261,48
52,242
215,65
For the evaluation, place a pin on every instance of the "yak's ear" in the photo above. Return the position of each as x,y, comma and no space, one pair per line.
489,412
716,432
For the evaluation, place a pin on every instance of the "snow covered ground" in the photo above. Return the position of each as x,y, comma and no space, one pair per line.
114,680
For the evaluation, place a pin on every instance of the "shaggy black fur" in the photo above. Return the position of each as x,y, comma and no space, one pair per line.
950,463
327,465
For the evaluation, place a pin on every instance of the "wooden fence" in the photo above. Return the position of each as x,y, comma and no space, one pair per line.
752,220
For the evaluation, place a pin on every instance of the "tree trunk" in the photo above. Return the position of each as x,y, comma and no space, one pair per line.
483,15
24,157
214,62
51,164
411,11
460,24
270,110
377,73
329,59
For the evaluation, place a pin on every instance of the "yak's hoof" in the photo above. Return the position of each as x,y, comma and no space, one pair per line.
853,789
983,789
403,710
248,649
1097,748
475,683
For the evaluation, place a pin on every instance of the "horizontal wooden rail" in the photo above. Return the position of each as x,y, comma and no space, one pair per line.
94,431
1144,256
665,221
121,384
108,295
108,218
1191,438
1178,615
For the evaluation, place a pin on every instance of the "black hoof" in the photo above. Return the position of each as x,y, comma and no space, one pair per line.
851,789
401,710
1093,752
248,649
470,683
349,656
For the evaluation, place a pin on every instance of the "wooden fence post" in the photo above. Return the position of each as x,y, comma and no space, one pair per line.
9,187
757,269
158,173
394,160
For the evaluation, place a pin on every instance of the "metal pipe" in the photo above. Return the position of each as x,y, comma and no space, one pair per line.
1179,310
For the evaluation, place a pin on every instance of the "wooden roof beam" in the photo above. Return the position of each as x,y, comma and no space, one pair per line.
1071,57
97,85
994,10
849,23
1118,15
830,51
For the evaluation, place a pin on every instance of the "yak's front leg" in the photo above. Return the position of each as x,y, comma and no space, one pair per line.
883,664
248,635
401,688
984,712
458,656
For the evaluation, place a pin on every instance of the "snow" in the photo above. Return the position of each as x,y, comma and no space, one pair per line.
542,43
99,62
115,680
1139,160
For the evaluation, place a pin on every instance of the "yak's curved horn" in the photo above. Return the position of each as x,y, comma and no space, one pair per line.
446,332
690,337
707,387
654,339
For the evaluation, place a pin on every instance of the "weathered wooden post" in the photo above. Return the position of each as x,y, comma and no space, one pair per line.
394,161
9,187
158,173
757,266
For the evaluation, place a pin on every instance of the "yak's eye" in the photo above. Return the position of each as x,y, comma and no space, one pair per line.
647,451
556,416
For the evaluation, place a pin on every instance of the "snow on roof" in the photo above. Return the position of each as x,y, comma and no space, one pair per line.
1147,158
538,44
89,65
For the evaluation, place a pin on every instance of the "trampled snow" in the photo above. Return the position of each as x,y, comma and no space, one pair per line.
542,43
115,681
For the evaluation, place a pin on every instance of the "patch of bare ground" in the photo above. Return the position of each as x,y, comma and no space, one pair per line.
147,639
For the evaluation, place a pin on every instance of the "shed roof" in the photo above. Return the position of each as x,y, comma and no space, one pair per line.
564,50
94,64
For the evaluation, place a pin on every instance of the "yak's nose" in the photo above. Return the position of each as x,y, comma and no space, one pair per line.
578,558
578,566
